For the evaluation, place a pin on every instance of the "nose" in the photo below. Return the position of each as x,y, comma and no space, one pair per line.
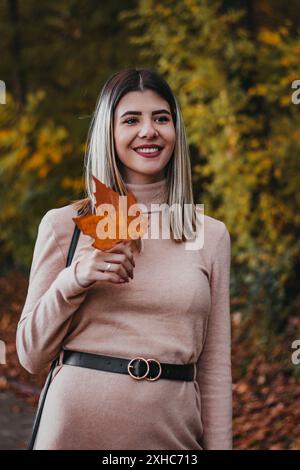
147,130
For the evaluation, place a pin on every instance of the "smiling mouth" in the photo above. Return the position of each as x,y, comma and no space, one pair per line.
148,152
154,148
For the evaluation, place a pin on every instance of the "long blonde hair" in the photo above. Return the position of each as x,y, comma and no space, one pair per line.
101,159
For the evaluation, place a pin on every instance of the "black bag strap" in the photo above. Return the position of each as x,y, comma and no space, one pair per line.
37,419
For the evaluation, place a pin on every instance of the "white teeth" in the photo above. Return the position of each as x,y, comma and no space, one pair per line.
148,150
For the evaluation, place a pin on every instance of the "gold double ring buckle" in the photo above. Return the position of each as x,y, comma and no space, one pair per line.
147,361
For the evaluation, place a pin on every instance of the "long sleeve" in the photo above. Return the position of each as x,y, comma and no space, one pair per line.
53,296
214,375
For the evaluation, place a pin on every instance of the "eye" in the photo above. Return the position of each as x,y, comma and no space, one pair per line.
129,119
165,119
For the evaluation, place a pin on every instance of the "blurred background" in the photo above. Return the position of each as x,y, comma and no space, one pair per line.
232,65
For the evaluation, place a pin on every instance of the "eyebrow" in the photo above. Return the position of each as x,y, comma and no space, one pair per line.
138,113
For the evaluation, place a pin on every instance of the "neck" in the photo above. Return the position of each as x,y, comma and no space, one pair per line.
149,193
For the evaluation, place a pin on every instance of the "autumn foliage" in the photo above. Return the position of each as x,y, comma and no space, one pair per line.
232,71
112,222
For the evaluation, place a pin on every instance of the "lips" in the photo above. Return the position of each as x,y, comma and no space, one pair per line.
144,151
145,146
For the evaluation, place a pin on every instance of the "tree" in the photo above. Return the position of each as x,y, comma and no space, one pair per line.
234,88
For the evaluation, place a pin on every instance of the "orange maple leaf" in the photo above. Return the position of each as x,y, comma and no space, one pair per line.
112,217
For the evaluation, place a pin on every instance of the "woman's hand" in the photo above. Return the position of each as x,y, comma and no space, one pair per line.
91,267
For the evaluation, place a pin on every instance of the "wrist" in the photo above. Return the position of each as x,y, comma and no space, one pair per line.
76,277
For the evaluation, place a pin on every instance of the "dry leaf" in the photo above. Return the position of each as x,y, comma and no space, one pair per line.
97,225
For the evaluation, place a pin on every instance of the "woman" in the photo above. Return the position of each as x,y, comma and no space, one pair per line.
174,309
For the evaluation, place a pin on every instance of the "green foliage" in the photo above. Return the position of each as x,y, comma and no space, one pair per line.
63,54
234,88
67,48
232,74
34,154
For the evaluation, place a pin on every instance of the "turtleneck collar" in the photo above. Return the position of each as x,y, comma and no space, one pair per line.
149,193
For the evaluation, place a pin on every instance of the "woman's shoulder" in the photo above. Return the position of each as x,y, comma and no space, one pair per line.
215,228
217,237
59,221
215,233
65,213
59,215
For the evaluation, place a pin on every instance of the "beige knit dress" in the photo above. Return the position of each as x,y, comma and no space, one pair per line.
176,309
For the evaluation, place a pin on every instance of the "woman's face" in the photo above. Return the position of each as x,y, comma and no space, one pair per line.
143,119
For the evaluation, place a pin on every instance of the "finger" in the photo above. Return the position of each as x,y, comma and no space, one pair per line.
116,248
124,248
122,271
129,250
116,268
111,277
129,267
122,259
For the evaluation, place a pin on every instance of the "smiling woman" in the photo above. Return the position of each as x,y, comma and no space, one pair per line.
144,364
137,109
144,143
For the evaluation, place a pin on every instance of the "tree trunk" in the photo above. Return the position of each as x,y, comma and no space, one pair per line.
19,79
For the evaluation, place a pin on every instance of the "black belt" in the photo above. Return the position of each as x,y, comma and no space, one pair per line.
138,368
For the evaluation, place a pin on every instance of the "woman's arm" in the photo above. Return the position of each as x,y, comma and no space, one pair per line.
53,296
214,364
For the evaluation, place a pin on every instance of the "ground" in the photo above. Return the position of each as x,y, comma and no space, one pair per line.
16,421
266,392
